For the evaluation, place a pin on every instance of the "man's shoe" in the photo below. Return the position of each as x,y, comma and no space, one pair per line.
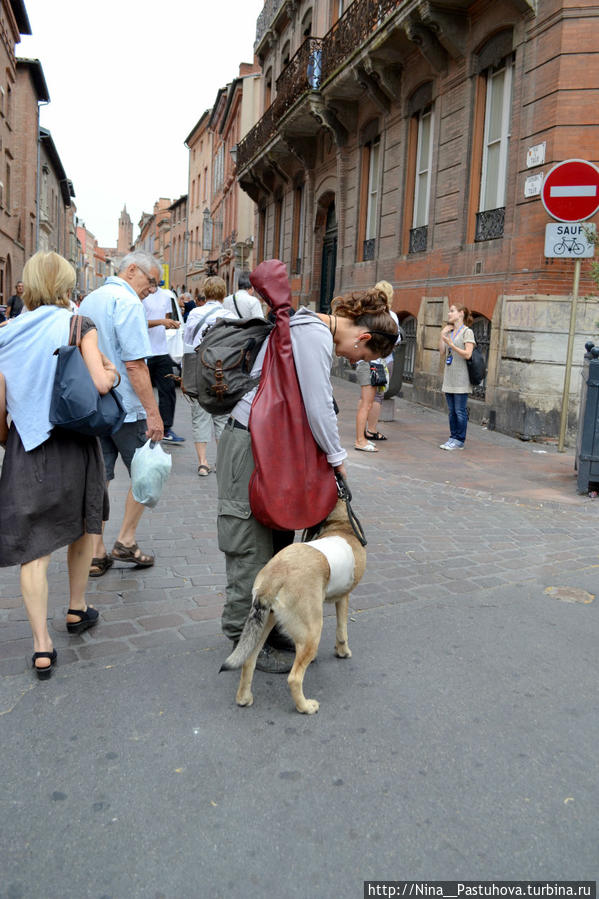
273,661
448,445
171,437
278,640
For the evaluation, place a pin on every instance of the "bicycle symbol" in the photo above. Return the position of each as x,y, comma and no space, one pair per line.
571,245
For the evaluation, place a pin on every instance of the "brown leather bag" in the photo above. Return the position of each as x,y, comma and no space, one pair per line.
293,486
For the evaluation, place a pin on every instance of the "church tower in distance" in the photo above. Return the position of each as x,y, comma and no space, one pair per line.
125,233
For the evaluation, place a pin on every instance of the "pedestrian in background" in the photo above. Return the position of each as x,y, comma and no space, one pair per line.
188,304
371,431
198,321
14,306
158,312
116,310
243,302
455,346
52,487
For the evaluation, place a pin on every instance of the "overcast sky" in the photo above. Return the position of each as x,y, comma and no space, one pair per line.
128,80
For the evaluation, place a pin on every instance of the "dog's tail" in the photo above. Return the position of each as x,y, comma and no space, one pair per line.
252,631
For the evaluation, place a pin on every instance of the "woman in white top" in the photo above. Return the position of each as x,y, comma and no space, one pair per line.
455,345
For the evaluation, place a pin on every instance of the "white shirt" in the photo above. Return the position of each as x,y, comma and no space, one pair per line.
157,305
249,306
209,312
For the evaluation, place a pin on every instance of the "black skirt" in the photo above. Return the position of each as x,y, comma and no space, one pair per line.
50,496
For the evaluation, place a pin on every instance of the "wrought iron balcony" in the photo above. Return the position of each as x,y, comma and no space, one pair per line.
418,239
489,224
368,249
301,75
358,22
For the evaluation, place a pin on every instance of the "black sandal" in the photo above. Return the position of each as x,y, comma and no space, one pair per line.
44,673
376,435
88,619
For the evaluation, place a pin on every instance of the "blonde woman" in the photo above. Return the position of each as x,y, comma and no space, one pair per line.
52,486
371,432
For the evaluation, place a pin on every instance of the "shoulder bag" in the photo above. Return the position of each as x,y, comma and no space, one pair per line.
76,403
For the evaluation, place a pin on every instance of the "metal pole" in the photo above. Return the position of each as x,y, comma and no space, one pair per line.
566,393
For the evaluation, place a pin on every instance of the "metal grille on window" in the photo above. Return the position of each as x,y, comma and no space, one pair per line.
489,224
418,239
369,249
409,328
481,328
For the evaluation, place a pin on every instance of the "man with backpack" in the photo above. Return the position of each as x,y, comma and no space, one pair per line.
198,321
243,302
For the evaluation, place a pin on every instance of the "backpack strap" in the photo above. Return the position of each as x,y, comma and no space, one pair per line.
236,306
200,323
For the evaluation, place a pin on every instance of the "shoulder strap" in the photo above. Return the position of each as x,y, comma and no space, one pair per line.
200,323
75,339
236,306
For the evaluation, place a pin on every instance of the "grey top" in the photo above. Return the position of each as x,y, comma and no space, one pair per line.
312,345
455,377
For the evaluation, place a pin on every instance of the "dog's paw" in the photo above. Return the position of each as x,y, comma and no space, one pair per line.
246,701
342,651
310,707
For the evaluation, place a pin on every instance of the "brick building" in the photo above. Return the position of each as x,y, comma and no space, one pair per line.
154,231
199,222
400,140
56,214
231,210
179,244
14,227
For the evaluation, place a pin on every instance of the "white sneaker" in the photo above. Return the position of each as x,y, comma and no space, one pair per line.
448,445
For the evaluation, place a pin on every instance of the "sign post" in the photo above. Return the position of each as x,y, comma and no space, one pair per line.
570,193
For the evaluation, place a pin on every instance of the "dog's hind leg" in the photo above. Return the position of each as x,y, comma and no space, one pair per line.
342,649
244,691
305,652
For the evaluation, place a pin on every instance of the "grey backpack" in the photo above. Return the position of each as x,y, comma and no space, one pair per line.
223,361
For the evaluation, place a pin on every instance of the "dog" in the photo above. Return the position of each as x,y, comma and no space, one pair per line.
290,591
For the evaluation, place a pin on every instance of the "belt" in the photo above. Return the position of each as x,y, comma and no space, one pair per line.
236,424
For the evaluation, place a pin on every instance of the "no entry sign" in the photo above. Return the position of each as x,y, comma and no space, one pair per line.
570,191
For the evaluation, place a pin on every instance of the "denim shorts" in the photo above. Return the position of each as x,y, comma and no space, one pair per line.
130,436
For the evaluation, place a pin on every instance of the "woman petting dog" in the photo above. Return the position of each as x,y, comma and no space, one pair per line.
358,328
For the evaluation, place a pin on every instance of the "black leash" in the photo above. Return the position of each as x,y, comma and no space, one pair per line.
344,493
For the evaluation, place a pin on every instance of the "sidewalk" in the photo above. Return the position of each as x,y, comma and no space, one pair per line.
458,742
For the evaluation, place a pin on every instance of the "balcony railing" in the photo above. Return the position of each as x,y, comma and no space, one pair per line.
355,26
314,63
300,75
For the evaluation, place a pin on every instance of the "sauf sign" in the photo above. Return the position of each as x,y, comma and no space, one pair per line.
570,240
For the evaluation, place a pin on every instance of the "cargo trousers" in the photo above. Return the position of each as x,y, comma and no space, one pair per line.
247,544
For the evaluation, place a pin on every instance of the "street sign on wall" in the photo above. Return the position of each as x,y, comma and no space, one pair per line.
568,241
570,192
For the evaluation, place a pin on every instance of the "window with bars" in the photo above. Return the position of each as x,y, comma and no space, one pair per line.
495,148
408,325
481,328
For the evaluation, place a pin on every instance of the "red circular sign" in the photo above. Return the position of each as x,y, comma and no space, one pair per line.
571,190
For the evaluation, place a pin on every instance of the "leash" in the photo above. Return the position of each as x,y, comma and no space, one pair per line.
345,494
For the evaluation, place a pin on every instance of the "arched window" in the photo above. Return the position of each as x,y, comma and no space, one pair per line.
307,24
285,55
408,324
481,328
268,89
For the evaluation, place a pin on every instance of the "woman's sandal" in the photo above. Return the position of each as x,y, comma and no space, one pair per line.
367,448
46,672
374,435
101,564
203,471
122,553
88,619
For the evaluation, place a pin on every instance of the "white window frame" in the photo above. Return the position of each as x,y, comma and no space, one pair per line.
423,167
373,189
504,138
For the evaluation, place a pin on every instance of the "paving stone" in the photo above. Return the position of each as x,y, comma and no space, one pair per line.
158,622
155,639
103,648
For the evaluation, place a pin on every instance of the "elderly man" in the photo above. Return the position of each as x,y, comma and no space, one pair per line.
243,302
117,311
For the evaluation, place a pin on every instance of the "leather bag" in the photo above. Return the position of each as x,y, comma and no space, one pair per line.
76,403
293,486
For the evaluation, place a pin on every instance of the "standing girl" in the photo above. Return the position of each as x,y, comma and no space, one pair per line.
455,345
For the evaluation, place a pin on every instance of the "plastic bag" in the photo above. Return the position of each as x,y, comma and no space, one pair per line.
150,467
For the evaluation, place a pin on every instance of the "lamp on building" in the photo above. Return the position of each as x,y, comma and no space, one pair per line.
233,152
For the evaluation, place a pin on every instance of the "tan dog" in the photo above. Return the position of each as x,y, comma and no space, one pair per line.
290,591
